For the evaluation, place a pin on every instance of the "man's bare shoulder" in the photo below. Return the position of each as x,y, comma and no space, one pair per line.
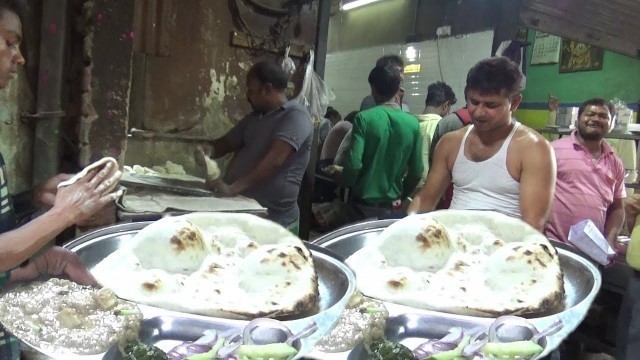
526,137
449,144
452,138
532,148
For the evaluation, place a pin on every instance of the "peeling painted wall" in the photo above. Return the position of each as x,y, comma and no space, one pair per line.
106,80
199,89
16,137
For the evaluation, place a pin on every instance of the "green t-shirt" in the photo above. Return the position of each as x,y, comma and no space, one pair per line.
384,162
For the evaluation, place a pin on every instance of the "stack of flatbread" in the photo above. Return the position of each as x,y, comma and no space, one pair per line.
466,262
216,264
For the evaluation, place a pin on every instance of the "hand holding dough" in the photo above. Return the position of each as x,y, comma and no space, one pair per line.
96,165
211,167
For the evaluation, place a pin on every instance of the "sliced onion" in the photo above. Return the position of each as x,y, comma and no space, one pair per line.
227,350
209,337
187,349
509,320
455,335
432,347
305,332
473,349
233,337
263,322
552,329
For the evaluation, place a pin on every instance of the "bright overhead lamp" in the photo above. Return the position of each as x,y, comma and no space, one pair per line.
352,4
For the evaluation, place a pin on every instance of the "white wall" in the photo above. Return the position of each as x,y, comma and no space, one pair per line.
448,59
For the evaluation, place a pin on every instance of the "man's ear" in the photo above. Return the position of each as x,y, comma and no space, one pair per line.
515,102
446,107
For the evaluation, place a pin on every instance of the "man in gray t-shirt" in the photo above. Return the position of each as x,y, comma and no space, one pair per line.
272,147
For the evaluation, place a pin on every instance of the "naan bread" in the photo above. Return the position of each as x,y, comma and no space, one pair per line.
216,264
461,261
96,165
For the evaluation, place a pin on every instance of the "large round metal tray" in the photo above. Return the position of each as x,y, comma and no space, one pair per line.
336,283
582,282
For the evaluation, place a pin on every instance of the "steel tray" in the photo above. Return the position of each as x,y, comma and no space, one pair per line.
582,281
336,284
414,329
166,332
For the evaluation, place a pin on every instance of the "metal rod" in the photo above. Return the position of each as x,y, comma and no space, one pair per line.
308,181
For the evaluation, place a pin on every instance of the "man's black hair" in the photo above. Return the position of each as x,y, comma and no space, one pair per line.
390,60
385,80
267,72
331,112
350,116
494,75
598,102
15,6
438,93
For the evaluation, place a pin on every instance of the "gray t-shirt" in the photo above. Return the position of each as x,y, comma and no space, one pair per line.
255,133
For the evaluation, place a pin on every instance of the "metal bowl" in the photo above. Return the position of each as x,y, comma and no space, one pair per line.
336,283
582,281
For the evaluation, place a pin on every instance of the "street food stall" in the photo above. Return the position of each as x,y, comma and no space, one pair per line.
181,277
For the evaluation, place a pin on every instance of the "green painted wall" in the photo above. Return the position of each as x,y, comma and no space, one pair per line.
619,77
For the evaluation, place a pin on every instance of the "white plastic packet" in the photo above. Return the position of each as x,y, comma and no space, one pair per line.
588,239
287,63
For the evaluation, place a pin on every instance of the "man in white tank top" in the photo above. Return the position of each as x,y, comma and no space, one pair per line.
495,163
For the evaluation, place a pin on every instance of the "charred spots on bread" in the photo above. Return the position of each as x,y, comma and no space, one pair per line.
397,284
460,265
541,262
549,251
433,236
301,252
187,238
151,286
214,268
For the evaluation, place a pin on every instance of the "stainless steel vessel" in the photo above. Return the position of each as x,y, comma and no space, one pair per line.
165,328
582,281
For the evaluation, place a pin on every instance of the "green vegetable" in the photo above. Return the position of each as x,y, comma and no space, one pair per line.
370,310
137,350
382,349
209,355
512,349
126,312
269,351
35,327
452,354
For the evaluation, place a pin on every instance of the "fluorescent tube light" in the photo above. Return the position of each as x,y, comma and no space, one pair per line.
348,5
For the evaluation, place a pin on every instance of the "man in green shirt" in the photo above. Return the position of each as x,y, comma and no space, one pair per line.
384,163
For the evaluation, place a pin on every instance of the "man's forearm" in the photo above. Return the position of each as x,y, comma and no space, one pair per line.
18,245
613,225
263,171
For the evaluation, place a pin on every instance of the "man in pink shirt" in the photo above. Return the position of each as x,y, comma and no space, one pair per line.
590,179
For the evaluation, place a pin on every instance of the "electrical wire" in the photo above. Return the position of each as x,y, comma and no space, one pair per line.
439,58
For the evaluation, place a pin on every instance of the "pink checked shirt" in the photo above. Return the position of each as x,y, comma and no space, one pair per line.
585,187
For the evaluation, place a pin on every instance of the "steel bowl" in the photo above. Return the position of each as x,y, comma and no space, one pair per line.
336,283
582,282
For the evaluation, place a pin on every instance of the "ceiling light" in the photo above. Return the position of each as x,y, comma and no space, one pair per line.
352,4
